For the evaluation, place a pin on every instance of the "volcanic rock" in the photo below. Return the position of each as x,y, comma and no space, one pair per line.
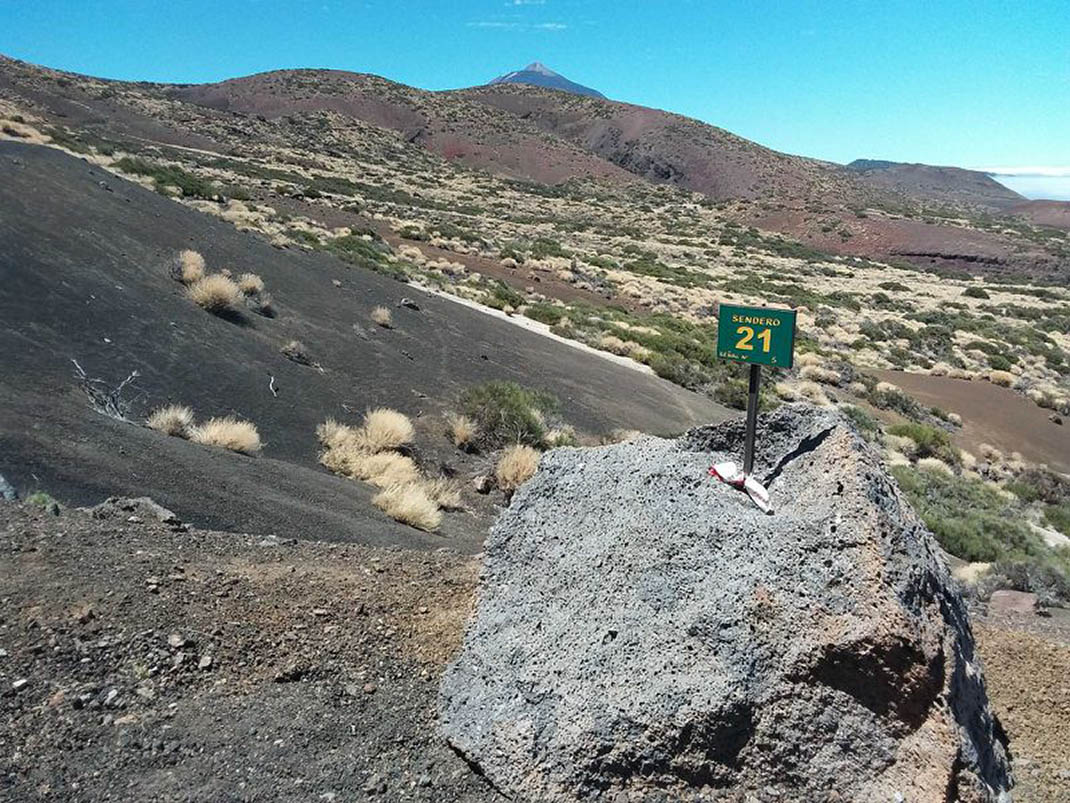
644,629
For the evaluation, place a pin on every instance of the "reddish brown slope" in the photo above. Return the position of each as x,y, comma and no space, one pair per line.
474,134
1043,213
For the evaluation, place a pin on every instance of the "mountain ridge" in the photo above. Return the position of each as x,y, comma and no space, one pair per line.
538,74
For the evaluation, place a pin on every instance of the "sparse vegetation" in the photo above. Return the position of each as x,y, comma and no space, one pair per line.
382,317
215,293
227,433
515,467
250,284
189,267
409,503
508,413
384,429
969,518
462,430
174,419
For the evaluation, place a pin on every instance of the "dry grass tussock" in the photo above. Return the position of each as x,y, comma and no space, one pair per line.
368,453
189,267
409,503
382,316
228,433
295,350
462,430
515,467
934,464
174,419
1002,378
250,284
386,429
445,492
214,293
383,430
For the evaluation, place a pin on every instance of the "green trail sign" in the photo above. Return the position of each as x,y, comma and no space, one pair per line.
756,335
759,336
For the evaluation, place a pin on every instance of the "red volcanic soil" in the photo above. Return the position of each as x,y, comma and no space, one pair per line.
993,415
1043,213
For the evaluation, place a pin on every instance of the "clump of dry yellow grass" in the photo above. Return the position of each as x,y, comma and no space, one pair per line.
386,429
250,284
214,293
462,430
382,316
445,492
1002,378
174,419
368,453
409,503
384,469
228,433
515,467
189,266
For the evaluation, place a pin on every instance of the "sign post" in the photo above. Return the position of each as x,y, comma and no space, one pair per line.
757,336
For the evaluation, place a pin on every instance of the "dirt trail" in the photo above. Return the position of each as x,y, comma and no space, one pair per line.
991,414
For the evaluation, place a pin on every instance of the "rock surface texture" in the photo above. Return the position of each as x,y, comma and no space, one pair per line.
644,632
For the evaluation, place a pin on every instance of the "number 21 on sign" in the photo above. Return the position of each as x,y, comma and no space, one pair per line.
757,335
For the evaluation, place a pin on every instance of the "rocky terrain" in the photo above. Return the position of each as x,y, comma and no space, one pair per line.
814,653
484,267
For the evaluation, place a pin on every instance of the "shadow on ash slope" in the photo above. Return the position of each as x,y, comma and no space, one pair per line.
641,628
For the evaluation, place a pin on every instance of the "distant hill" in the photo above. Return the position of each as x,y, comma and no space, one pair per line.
937,184
538,74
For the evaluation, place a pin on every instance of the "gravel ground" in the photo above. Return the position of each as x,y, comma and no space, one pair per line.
325,660
142,663
1027,668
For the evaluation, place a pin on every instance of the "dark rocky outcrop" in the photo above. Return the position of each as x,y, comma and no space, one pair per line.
642,628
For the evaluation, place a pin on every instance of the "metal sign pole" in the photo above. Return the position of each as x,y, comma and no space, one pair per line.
752,417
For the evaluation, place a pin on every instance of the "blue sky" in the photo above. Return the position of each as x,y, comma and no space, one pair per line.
979,83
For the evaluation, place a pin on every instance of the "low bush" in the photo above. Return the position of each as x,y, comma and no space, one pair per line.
508,413
228,433
188,267
409,503
975,292
931,442
969,518
866,424
250,284
462,430
295,351
215,293
382,317
174,419
515,467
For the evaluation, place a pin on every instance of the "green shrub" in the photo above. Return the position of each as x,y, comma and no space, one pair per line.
508,413
866,424
1058,516
1048,577
970,519
894,287
163,176
975,292
545,313
931,441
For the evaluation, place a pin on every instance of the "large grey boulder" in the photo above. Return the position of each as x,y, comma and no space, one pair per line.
644,632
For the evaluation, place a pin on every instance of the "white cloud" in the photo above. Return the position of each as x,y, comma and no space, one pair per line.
1032,170
518,26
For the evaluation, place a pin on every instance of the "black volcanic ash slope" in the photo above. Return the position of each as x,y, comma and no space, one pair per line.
84,276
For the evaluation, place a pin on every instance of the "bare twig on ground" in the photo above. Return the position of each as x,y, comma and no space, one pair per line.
102,398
